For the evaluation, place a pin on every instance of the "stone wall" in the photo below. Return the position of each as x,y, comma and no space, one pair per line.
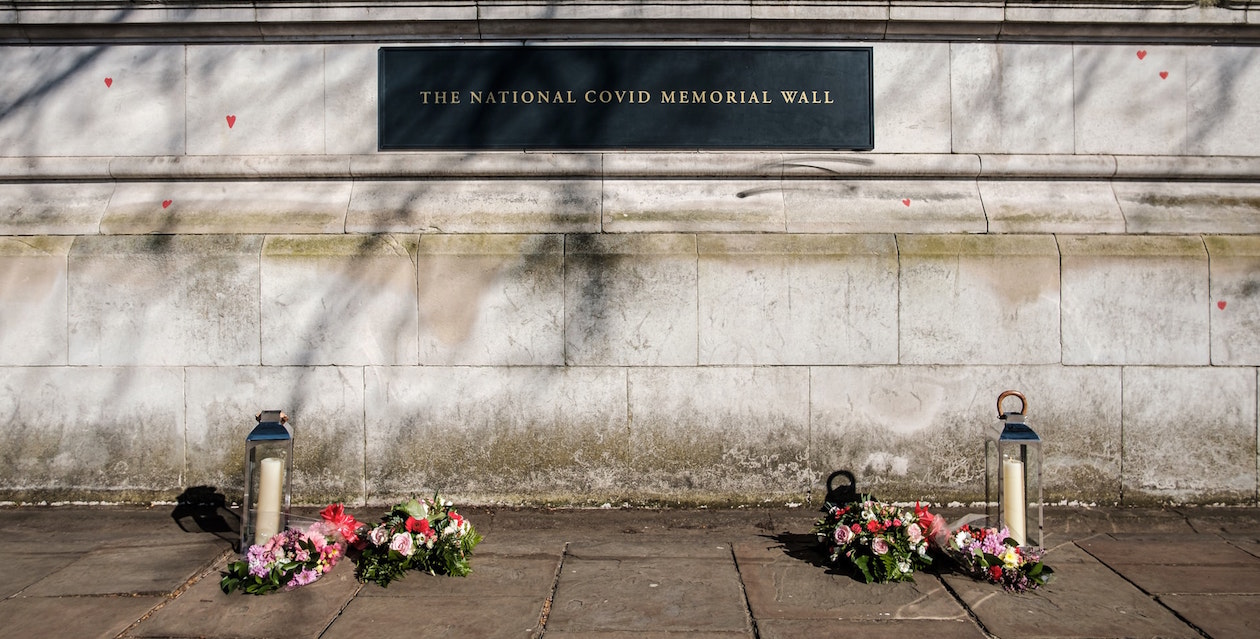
195,225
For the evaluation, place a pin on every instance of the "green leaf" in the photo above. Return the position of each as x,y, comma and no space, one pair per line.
863,564
415,509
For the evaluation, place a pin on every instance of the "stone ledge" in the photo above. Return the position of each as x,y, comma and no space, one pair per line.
630,165
408,20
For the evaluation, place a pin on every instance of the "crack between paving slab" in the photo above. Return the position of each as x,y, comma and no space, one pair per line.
551,596
167,598
970,613
1144,591
739,574
341,610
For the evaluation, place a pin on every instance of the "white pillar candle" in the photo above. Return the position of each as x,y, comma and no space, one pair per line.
1013,498
270,480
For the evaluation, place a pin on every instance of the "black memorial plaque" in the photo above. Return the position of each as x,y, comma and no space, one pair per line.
612,97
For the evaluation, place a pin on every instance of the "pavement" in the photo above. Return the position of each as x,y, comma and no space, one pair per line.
131,572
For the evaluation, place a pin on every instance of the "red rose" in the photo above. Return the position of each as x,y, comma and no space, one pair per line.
995,573
856,528
872,526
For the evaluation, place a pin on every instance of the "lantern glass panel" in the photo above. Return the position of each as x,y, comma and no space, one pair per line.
268,464
1013,480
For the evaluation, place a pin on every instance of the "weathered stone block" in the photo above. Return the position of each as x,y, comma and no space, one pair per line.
720,431
798,299
912,432
883,206
348,300
227,207
1189,434
33,284
1224,85
1051,207
1127,104
1189,207
245,100
53,209
92,100
911,85
118,436
350,98
990,299
707,164
325,407
497,433
475,206
491,299
1011,98
680,206
1235,298
182,300
1134,300
630,300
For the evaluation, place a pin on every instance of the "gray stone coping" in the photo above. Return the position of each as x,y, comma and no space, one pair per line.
394,20
631,165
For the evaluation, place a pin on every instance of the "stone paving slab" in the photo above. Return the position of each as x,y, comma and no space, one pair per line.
1220,616
492,576
22,569
648,594
1206,579
204,611
78,617
1101,604
156,570
651,634
1165,549
437,616
868,629
793,581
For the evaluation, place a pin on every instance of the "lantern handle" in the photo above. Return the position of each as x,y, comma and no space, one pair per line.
1023,403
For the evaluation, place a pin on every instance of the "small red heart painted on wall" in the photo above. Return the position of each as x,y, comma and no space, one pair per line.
1221,305
109,82
166,203
231,120
1141,54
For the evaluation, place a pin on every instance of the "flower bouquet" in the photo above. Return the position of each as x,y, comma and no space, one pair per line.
884,542
992,555
291,558
418,535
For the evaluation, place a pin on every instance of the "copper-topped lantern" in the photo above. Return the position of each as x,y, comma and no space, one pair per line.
1012,474
268,478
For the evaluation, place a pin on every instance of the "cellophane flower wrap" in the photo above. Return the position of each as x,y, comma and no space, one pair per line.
992,555
884,542
289,559
426,535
